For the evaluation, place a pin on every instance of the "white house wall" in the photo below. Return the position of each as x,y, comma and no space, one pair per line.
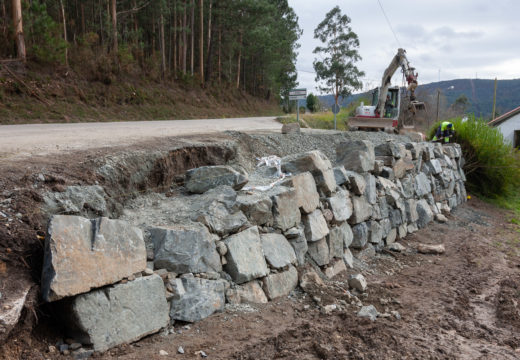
508,128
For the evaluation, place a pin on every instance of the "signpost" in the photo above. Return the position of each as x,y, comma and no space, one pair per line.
298,94
335,110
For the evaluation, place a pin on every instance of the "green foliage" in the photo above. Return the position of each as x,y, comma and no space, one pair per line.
45,41
313,103
492,167
336,71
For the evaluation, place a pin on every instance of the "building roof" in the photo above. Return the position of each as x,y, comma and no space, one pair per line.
499,120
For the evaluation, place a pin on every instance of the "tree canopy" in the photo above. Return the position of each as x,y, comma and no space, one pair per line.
335,69
246,44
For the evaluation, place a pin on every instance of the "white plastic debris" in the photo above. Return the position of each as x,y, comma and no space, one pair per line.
271,160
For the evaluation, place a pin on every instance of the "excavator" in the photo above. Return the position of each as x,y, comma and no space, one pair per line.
385,112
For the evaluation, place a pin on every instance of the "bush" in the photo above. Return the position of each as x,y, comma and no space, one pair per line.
492,167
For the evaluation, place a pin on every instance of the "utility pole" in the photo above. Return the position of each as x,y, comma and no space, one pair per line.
438,96
494,100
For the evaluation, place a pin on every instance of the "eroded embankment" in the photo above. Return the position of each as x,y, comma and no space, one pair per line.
211,241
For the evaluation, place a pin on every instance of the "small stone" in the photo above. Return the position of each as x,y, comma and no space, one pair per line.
52,349
327,309
396,314
180,350
148,272
431,249
64,347
358,282
81,354
221,248
163,353
368,312
396,247
74,346
441,218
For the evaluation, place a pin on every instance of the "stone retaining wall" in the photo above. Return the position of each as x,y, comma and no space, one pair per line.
222,244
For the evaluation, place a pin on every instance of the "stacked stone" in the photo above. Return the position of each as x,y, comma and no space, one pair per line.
231,245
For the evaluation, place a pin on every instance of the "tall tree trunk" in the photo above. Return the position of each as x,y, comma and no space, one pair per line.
219,53
18,30
192,25
4,20
113,10
209,24
64,33
239,60
174,38
184,38
83,27
201,37
163,47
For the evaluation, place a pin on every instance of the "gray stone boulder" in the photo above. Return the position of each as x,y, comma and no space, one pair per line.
319,252
411,210
348,258
280,284
358,282
424,212
357,183
250,292
119,314
197,298
291,128
307,196
422,185
390,148
369,312
401,166
340,236
257,207
360,239
341,176
277,250
370,189
77,200
317,164
82,254
200,180
341,206
362,210
286,212
186,248
356,155
336,267
245,256
375,231
220,221
297,239
315,226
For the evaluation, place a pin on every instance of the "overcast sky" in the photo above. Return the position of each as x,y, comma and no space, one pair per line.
461,38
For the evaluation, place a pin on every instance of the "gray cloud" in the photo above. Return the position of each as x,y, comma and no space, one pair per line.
461,38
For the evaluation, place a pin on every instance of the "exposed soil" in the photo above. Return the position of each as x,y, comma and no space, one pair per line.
460,305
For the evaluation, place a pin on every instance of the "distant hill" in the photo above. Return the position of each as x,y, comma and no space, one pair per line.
479,92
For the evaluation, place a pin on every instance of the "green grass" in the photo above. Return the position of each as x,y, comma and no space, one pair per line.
492,167
325,119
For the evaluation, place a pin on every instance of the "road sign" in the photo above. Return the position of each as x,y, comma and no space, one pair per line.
335,108
297,94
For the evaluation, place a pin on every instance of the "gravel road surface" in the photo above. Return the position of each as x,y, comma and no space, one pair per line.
40,139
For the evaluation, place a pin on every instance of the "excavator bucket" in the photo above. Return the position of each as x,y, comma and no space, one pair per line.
414,112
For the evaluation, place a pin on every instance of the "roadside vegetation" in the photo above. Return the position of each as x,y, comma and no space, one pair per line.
492,167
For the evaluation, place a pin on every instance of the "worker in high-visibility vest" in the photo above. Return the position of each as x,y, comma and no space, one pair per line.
444,132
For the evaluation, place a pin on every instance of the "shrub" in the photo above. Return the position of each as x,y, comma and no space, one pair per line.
492,167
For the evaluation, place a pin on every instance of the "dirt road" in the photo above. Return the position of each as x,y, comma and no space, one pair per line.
41,139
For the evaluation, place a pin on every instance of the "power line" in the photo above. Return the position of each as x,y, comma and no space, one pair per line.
388,21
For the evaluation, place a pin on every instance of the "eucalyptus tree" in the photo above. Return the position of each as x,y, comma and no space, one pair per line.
335,69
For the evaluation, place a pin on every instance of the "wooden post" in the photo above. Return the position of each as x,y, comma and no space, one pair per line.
18,29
